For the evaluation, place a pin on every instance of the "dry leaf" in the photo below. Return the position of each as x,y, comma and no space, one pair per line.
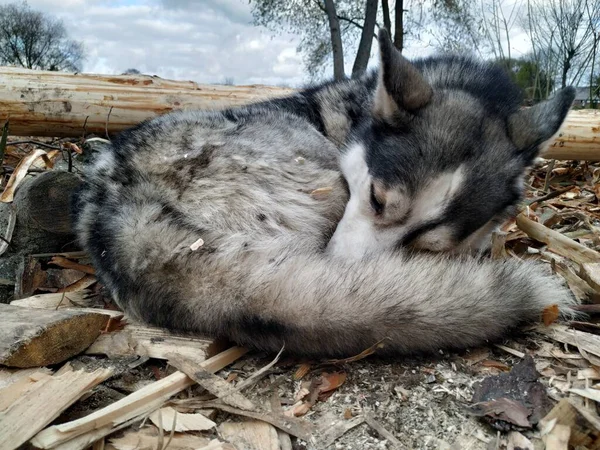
495,364
550,314
302,371
347,414
65,263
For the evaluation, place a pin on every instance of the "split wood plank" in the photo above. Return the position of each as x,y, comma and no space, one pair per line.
212,383
135,339
104,421
584,425
250,435
38,337
42,404
53,301
557,242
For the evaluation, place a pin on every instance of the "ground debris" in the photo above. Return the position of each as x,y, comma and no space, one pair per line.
512,399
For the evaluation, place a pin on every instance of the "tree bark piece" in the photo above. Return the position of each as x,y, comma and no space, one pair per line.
37,337
44,402
88,429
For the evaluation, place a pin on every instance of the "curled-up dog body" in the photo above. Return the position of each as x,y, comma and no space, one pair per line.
348,213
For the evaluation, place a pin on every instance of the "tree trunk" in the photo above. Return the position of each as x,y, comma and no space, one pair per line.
336,41
399,25
387,22
366,39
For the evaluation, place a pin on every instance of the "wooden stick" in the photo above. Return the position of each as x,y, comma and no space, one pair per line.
557,242
134,405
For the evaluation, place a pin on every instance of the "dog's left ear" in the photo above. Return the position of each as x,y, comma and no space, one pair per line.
401,87
530,128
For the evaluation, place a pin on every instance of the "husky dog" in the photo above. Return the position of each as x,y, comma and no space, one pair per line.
239,224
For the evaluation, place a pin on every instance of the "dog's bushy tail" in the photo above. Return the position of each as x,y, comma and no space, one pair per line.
322,307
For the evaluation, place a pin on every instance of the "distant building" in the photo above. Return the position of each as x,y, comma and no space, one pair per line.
582,97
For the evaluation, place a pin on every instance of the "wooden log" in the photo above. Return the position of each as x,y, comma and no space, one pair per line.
44,203
579,137
38,337
70,105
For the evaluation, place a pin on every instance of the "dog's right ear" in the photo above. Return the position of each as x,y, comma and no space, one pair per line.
400,87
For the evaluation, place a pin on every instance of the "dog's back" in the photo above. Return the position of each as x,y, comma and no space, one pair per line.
219,223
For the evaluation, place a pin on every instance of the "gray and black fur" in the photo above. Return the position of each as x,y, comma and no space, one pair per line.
262,187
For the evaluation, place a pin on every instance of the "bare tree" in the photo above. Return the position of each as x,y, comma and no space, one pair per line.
33,40
565,30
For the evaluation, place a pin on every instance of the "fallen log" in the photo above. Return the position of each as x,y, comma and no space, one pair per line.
37,337
57,104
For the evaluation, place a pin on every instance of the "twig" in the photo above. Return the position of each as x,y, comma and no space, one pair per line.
548,173
40,144
549,196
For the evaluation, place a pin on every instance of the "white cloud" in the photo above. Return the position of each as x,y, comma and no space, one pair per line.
201,40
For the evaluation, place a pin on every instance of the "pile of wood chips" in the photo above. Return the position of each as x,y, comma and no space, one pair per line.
76,374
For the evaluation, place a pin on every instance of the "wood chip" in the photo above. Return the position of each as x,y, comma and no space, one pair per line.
558,438
36,337
53,301
590,272
592,394
561,333
516,441
147,437
250,435
584,425
183,422
42,404
104,421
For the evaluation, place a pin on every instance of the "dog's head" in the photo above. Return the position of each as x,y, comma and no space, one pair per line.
441,163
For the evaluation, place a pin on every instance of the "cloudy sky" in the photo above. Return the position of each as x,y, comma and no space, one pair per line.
201,40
